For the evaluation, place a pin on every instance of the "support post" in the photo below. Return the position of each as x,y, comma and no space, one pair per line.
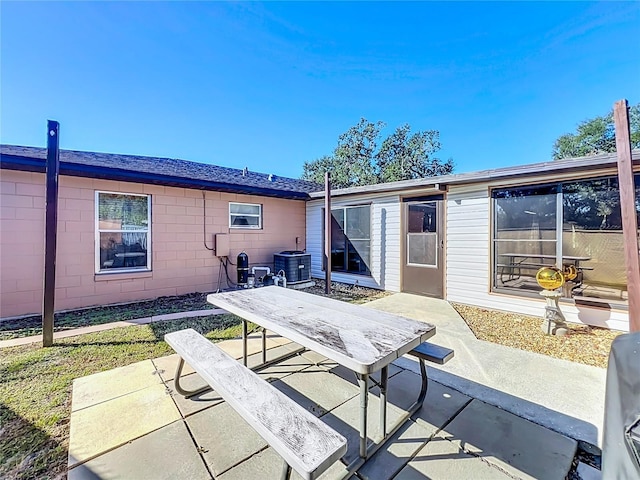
50,232
628,210
327,232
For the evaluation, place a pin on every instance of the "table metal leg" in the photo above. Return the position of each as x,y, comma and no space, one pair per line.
363,382
244,342
264,345
384,376
286,471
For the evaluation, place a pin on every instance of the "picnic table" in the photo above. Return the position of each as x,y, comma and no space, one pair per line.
361,339
516,262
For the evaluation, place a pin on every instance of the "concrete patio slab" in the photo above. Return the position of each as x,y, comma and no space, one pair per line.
195,403
440,459
234,346
166,367
274,353
395,454
346,420
350,377
515,445
334,391
223,437
285,368
267,464
97,429
440,406
103,386
167,453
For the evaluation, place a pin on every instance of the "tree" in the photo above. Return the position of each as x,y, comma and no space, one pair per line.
356,160
596,136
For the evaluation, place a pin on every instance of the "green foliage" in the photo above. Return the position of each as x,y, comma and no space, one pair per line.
357,160
596,135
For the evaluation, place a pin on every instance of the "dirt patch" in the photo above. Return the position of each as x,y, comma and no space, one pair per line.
347,293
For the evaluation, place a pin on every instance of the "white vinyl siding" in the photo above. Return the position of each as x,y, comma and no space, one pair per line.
385,243
468,254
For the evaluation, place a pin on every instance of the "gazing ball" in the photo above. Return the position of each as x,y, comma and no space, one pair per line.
550,278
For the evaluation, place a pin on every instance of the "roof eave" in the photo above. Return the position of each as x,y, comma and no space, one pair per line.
29,164
595,162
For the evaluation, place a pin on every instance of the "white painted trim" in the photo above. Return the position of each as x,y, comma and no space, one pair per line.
97,232
253,215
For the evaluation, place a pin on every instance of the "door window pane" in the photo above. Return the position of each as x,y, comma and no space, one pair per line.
422,217
422,249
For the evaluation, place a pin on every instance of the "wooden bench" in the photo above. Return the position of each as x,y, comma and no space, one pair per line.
305,442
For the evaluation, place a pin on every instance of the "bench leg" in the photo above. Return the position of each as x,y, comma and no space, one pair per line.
424,387
182,391
264,345
244,342
286,471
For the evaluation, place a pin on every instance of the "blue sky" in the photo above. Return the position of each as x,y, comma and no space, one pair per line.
268,86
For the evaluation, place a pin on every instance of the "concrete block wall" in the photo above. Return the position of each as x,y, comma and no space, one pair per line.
180,262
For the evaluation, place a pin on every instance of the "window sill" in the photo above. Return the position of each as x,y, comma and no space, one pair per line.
130,275
575,301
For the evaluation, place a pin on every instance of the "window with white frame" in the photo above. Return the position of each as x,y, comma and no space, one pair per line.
245,215
123,234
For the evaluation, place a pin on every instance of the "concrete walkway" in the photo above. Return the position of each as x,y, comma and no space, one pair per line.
492,412
564,396
73,332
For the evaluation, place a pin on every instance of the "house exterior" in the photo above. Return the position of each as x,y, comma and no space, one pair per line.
133,228
480,238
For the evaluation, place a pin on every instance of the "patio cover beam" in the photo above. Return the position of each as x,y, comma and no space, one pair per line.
50,232
628,210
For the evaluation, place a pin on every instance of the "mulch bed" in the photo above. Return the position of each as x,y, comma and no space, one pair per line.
583,344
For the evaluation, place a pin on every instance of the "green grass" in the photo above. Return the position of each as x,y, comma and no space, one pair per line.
36,383
28,326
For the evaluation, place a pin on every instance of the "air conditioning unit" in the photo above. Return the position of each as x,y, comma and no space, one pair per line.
295,264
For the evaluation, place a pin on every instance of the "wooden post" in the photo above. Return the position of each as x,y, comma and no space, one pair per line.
327,232
50,232
628,211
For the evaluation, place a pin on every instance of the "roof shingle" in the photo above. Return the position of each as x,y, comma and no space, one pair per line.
168,171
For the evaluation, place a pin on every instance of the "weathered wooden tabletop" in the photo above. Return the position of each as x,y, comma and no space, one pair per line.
359,338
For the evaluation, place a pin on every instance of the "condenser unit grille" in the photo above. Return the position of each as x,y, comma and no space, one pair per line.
296,265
